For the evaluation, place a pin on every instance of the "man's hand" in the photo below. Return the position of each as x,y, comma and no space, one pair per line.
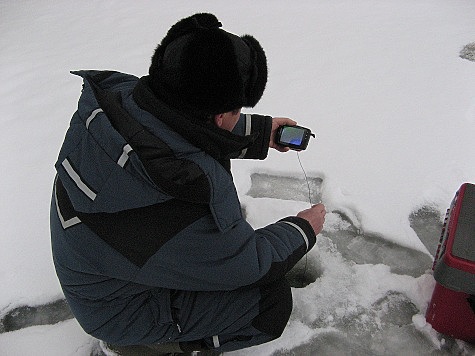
315,216
276,122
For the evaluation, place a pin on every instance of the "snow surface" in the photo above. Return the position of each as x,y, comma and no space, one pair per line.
380,82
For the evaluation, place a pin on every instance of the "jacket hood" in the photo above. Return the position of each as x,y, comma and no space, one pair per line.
102,172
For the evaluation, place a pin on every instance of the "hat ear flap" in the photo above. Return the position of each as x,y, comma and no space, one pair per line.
258,76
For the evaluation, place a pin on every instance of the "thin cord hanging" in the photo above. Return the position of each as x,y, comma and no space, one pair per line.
310,202
306,180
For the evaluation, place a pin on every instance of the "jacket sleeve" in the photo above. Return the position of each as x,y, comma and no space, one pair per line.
261,125
274,268
238,259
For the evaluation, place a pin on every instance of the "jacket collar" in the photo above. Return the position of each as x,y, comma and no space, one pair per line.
218,143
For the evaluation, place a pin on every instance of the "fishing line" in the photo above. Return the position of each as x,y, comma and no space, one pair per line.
306,180
303,278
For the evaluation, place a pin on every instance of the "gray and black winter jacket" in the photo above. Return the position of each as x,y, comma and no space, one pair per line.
144,203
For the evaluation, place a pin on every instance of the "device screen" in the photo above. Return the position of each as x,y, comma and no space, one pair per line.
292,135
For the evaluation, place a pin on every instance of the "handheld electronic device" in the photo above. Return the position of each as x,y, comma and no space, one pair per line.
295,137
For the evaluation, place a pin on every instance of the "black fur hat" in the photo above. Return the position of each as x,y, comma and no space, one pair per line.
203,70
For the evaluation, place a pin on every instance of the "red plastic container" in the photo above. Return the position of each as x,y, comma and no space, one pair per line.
450,311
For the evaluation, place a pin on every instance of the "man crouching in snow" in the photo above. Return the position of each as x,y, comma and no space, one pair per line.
149,241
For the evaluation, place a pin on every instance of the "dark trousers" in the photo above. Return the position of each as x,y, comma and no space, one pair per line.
227,320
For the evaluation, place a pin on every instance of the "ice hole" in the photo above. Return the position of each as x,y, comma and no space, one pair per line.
264,185
305,272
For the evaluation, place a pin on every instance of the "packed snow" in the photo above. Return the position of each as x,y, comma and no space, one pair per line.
387,86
